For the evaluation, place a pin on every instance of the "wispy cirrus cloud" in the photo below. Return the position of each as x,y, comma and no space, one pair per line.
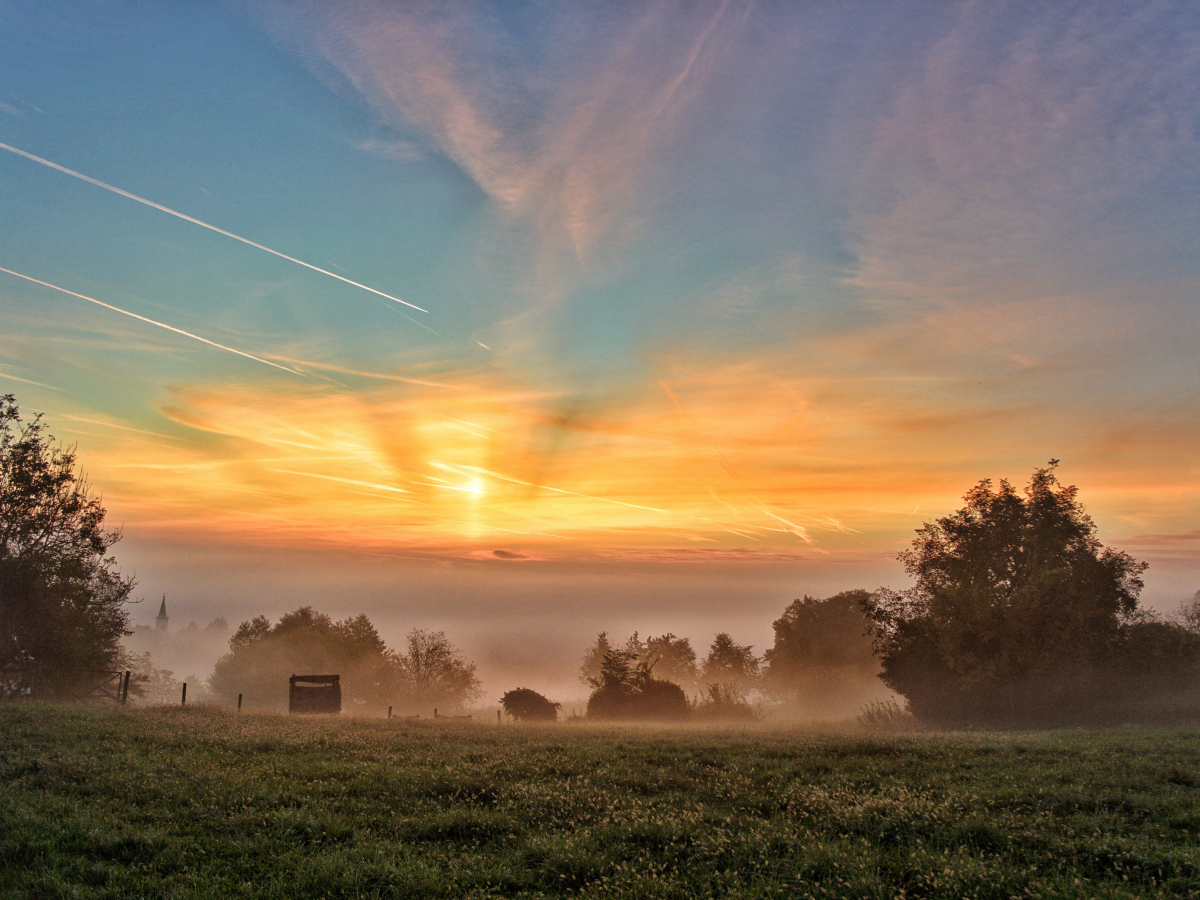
1039,153
154,322
558,133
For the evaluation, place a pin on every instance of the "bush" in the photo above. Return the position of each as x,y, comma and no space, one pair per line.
887,717
628,690
724,704
527,705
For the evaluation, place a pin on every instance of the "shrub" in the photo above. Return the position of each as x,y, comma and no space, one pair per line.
724,703
527,705
628,690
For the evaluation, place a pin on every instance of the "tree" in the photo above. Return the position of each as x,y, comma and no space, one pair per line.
673,660
721,703
435,672
626,689
262,656
528,705
62,601
822,662
1017,611
593,658
730,664
1189,613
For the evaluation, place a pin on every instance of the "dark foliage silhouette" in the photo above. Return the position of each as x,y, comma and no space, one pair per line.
1020,616
731,664
822,662
593,659
627,689
722,703
262,656
62,602
672,659
527,705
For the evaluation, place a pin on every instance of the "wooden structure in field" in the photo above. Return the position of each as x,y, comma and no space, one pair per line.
314,694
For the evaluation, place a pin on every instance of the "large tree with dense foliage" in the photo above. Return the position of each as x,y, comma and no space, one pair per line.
262,656
822,662
62,601
1018,614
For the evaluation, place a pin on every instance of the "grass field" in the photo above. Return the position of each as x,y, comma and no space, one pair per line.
103,802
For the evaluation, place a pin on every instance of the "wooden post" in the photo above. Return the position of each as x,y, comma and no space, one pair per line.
435,712
389,712
239,702
183,699
497,717
123,684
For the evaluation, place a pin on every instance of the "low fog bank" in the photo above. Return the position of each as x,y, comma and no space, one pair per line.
832,676
521,625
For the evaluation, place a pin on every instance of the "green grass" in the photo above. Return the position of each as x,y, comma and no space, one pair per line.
204,803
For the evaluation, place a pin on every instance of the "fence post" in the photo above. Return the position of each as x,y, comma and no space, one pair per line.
389,712
435,712
183,699
239,702
497,717
123,684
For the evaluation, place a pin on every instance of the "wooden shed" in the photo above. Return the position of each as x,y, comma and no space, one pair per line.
315,694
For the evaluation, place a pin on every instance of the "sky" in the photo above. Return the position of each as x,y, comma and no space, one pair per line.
531,319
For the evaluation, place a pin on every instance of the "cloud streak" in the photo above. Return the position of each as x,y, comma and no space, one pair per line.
172,212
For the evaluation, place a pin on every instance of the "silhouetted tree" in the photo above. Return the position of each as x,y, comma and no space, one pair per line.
593,658
671,657
528,705
62,602
1189,614
723,704
262,656
1018,613
730,664
436,674
626,689
822,661
673,660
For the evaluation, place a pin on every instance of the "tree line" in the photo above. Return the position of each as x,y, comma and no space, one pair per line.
428,672
1017,615
821,663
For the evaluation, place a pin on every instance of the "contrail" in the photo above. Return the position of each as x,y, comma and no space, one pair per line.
381,487
187,218
125,312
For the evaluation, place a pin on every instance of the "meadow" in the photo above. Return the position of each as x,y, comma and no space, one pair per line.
202,802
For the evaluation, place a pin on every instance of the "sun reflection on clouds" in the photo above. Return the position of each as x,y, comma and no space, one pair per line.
402,466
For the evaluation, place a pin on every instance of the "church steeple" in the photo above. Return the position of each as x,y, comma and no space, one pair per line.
160,623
